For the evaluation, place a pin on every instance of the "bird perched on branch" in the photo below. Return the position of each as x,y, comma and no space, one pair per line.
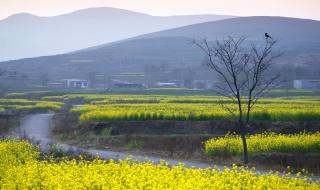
267,36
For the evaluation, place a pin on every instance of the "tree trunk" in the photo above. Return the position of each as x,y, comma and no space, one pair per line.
244,143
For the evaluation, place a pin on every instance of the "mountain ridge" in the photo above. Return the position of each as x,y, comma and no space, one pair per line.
26,35
167,48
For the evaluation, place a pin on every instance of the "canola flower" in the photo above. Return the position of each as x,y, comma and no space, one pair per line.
15,153
108,98
170,107
41,105
265,143
25,171
272,111
102,107
28,105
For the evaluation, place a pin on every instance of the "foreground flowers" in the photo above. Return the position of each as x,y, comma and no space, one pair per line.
22,170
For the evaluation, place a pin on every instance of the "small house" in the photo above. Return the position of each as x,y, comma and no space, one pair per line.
77,83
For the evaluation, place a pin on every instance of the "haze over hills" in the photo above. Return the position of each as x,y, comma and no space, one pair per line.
25,35
299,40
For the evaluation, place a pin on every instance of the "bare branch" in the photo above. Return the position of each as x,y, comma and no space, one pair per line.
244,71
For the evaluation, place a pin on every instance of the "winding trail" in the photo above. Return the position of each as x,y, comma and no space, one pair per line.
37,128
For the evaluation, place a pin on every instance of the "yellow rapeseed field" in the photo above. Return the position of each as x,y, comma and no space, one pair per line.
147,107
22,169
28,105
263,143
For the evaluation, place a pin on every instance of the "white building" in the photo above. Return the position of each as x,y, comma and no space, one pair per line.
166,85
306,84
77,83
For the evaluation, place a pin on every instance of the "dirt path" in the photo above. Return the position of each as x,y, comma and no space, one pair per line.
37,128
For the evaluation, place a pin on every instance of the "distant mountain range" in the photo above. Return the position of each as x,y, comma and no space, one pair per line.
299,40
25,35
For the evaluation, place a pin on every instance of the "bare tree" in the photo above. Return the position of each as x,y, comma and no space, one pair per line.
243,70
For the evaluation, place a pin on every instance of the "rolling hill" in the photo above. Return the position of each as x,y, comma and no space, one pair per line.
25,35
299,40
282,28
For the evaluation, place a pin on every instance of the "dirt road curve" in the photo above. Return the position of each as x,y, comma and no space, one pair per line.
37,128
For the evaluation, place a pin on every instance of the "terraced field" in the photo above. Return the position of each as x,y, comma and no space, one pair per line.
23,167
7,104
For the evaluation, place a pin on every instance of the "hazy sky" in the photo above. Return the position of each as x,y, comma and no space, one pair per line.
290,8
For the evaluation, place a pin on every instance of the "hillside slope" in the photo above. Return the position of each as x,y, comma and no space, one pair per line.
25,35
299,40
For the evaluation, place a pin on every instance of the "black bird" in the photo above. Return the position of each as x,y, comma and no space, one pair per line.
267,35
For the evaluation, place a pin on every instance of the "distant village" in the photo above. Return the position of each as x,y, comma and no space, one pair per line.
17,80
